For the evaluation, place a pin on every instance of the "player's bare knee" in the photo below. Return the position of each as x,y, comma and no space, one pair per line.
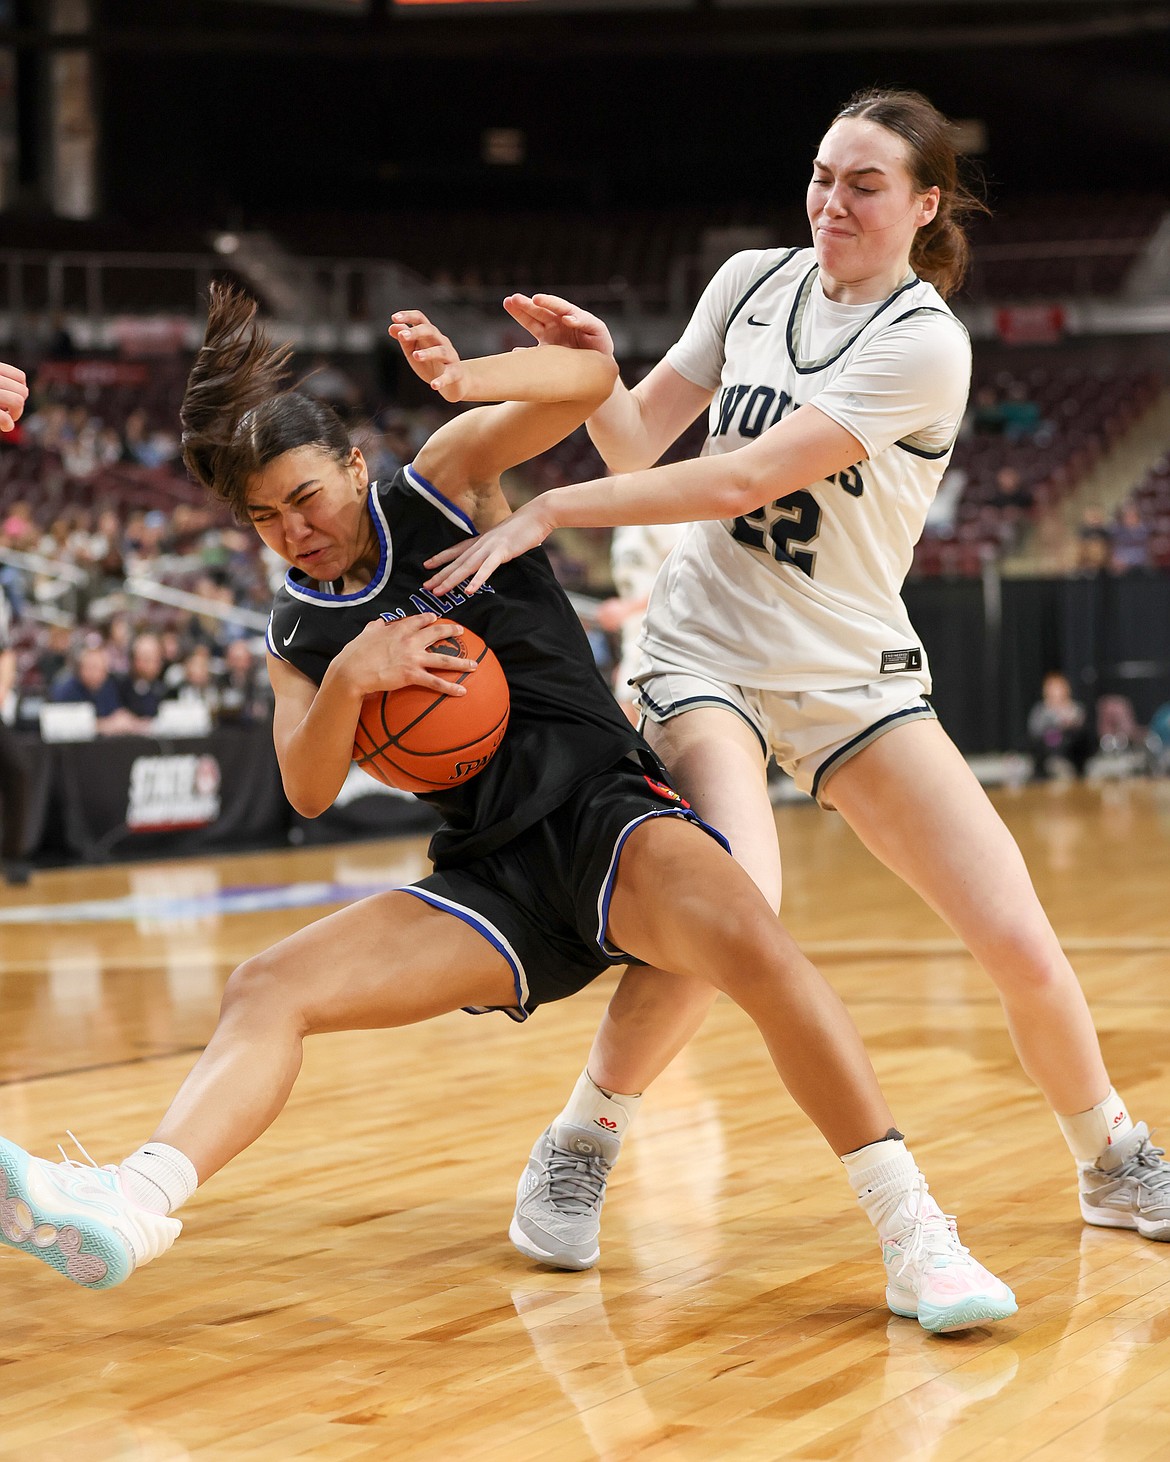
258,989
1022,961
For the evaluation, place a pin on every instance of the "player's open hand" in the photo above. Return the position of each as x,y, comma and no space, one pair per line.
430,354
391,653
554,321
468,566
13,395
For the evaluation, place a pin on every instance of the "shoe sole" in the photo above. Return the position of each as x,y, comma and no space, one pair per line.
86,1253
979,1310
1102,1218
524,1244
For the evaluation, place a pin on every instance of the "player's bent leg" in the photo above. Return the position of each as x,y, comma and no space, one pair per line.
716,924
717,764
387,961
717,920
390,960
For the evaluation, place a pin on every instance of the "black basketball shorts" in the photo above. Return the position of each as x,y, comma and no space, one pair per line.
543,899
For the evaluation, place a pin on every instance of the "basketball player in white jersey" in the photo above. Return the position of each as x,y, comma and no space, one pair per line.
636,554
835,378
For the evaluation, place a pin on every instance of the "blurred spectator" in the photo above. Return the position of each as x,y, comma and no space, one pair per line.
1013,501
1019,414
13,774
637,552
1130,542
1094,541
141,688
60,344
52,658
986,415
146,447
91,681
119,637
195,681
1058,729
244,691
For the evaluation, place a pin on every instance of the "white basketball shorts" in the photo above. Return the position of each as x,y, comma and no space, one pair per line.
811,733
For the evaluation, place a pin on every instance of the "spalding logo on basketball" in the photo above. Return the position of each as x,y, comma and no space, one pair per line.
421,740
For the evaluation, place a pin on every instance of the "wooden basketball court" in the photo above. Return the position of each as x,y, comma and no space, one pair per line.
346,1288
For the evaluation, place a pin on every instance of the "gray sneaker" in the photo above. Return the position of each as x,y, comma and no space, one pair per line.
558,1199
1129,1187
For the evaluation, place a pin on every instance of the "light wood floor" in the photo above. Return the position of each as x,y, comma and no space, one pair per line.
346,1288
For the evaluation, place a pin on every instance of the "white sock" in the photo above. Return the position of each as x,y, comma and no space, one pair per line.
888,1184
589,1106
1088,1134
158,1177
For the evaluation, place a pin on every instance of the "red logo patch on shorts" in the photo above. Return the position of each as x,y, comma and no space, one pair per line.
662,790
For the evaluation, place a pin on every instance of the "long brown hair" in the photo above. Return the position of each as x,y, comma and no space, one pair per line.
238,413
941,251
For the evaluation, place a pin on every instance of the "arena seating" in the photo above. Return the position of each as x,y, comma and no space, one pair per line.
1073,416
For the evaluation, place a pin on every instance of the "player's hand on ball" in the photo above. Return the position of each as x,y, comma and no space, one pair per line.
389,654
554,321
468,566
430,354
13,395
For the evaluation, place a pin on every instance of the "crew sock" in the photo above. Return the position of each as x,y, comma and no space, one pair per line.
158,1178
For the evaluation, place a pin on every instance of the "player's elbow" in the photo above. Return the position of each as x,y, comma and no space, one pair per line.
306,806
307,797
747,486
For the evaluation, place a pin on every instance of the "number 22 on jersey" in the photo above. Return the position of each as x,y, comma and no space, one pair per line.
787,528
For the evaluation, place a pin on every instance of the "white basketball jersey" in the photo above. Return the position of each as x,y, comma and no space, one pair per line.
805,593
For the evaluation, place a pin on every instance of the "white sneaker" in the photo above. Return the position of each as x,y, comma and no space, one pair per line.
77,1218
932,1278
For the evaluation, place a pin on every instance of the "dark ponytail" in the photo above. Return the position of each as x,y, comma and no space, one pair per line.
941,251
238,413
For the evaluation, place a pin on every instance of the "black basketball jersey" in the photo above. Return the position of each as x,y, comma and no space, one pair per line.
564,724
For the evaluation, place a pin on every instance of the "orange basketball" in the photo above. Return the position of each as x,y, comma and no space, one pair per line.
421,740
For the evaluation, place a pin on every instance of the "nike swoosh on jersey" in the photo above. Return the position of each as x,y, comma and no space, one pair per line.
288,641
763,324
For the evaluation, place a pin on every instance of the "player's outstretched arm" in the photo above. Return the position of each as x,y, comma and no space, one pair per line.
543,393
631,429
544,373
803,449
13,395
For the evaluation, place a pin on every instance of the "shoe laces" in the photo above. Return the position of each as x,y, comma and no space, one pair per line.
927,1235
1147,1167
576,1182
71,1162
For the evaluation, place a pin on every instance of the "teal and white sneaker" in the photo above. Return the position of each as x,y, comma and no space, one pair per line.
558,1199
1129,1187
932,1278
76,1218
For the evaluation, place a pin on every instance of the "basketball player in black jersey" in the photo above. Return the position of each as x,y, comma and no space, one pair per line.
567,854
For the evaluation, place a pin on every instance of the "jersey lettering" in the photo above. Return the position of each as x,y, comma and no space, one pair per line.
729,399
762,407
850,480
